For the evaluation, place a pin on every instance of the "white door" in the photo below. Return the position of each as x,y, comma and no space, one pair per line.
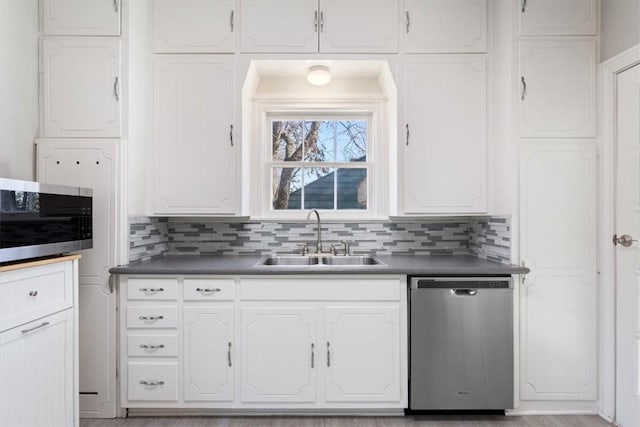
195,140
279,26
81,18
358,26
361,352
444,162
82,87
194,26
280,354
558,17
628,258
445,26
208,353
558,89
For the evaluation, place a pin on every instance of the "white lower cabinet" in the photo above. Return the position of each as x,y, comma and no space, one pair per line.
276,342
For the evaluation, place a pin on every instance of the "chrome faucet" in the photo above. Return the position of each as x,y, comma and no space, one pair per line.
319,240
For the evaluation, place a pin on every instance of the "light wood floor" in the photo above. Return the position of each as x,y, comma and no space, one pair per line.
409,421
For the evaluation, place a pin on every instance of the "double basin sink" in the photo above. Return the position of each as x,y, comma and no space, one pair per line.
281,261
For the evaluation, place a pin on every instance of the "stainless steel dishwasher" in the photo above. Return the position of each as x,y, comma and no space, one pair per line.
461,343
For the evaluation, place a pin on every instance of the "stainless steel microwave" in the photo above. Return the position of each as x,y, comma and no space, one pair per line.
43,219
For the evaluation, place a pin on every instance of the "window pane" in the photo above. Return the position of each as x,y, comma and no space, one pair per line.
286,188
287,138
318,188
351,140
326,147
352,188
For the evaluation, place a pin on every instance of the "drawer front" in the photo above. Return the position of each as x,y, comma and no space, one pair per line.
152,317
152,345
34,292
209,289
152,381
329,289
149,289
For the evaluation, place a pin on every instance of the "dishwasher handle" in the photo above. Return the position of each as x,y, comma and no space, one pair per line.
464,292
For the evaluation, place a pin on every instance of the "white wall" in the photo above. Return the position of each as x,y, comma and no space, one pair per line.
19,109
620,26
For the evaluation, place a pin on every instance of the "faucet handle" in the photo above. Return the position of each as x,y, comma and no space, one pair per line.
305,248
347,247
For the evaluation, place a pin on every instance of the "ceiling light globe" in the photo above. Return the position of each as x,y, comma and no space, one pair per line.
319,75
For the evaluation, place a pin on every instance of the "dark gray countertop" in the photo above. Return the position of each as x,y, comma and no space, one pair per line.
246,264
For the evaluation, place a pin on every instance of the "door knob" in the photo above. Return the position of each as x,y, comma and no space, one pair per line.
624,240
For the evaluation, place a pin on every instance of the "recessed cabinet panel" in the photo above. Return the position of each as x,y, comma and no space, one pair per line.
557,89
444,136
195,139
558,311
82,87
193,26
81,18
558,17
358,26
445,26
363,355
279,26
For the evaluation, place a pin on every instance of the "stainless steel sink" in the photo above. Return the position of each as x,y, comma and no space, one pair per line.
290,260
351,260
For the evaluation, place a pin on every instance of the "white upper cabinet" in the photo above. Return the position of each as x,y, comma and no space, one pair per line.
305,26
558,17
443,139
81,17
195,26
440,26
558,88
195,137
82,87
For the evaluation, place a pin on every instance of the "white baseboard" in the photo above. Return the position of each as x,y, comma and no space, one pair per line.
556,407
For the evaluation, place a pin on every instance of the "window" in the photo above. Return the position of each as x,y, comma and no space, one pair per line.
320,162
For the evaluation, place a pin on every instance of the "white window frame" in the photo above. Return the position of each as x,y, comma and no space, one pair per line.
377,169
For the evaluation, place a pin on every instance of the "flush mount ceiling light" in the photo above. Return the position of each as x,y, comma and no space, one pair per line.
319,75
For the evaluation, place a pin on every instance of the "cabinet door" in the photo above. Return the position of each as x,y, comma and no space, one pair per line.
558,89
279,26
362,354
558,306
358,26
81,18
558,17
279,354
438,26
194,26
208,353
195,138
444,136
37,373
81,93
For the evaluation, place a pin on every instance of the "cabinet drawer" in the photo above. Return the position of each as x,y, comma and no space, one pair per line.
330,289
152,317
152,345
208,289
34,292
152,289
152,381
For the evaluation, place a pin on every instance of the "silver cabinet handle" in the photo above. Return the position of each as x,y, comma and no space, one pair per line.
151,290
321,21
151,318
231,134
115,5
42,325
523,94
151,383
229,354
33,293
116,89
231,20
315,21
208,290
151,346
313,355
406,14
328,354
407,138
524,5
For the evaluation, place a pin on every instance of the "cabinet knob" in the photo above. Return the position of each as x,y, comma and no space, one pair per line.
33,293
